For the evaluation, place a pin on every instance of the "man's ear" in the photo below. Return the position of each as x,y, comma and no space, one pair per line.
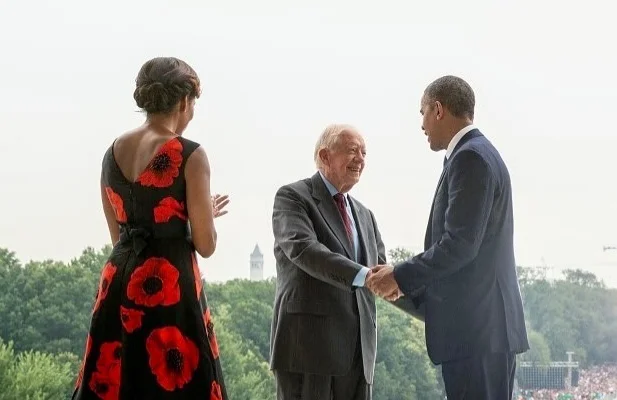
440,110
324,156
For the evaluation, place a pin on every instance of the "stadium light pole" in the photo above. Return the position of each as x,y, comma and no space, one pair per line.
569,380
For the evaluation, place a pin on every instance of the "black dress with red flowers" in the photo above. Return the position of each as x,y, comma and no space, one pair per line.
151,335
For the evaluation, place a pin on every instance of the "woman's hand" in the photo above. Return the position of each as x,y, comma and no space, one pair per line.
218,203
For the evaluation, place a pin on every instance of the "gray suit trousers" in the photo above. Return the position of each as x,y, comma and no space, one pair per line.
298,386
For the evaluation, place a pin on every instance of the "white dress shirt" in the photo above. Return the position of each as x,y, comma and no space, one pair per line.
457,138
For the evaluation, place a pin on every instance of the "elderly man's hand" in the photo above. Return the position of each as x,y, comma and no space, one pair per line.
381,282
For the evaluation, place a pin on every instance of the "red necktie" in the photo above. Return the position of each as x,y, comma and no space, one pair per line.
339,199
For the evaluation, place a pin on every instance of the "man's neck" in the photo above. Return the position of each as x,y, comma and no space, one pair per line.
333,185
458,135
457,127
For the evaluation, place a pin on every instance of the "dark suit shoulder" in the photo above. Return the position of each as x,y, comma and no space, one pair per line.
302,186
479,146
487,150
479,154
469,154
478,143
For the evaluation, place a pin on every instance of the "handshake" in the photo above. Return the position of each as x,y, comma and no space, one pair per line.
380,280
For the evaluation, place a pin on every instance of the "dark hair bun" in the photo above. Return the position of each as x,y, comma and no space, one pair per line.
154,98
162,82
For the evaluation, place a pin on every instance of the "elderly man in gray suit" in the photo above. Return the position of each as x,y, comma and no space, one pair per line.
323,338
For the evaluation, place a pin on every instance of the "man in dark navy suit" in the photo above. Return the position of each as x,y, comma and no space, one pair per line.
465,280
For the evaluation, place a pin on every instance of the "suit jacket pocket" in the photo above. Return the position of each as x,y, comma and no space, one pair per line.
307,307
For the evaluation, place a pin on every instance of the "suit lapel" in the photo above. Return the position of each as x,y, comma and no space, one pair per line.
428,238
361,227
330,213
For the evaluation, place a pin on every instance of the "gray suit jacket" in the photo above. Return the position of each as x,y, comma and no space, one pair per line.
318,315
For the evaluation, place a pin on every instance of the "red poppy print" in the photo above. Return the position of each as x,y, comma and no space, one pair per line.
131,318
105,381
214,346
173,357
167,208
117,204
83,362
104,386
164,167
154,283
198,282
215,392
109,270
110,357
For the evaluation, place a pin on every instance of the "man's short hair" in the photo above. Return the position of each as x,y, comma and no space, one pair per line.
329,138
454,94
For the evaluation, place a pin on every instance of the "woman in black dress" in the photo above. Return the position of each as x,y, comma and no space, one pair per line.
151,335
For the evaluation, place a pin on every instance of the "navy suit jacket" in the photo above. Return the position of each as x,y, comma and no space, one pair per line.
466,277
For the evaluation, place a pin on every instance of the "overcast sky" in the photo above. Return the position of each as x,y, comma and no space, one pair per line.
275,74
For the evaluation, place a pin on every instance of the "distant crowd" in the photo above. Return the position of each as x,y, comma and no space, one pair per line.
596,383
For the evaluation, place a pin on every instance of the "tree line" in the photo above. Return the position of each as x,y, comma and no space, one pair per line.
45,309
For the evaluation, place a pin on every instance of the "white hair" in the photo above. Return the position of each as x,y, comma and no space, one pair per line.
329,138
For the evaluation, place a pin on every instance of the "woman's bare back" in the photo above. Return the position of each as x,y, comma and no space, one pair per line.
134,150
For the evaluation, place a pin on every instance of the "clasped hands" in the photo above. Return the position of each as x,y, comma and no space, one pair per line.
380,280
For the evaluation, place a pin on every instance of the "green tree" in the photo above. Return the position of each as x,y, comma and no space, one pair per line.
539,352
46,305
530,275
574,314
247,374
403,370
583,278
34,375
250,309
45,309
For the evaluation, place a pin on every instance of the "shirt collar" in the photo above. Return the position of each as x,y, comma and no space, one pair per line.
330,186
457,138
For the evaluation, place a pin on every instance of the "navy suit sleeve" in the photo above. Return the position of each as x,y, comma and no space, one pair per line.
471,187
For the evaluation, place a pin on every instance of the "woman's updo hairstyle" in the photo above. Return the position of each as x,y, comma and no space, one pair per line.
162,82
